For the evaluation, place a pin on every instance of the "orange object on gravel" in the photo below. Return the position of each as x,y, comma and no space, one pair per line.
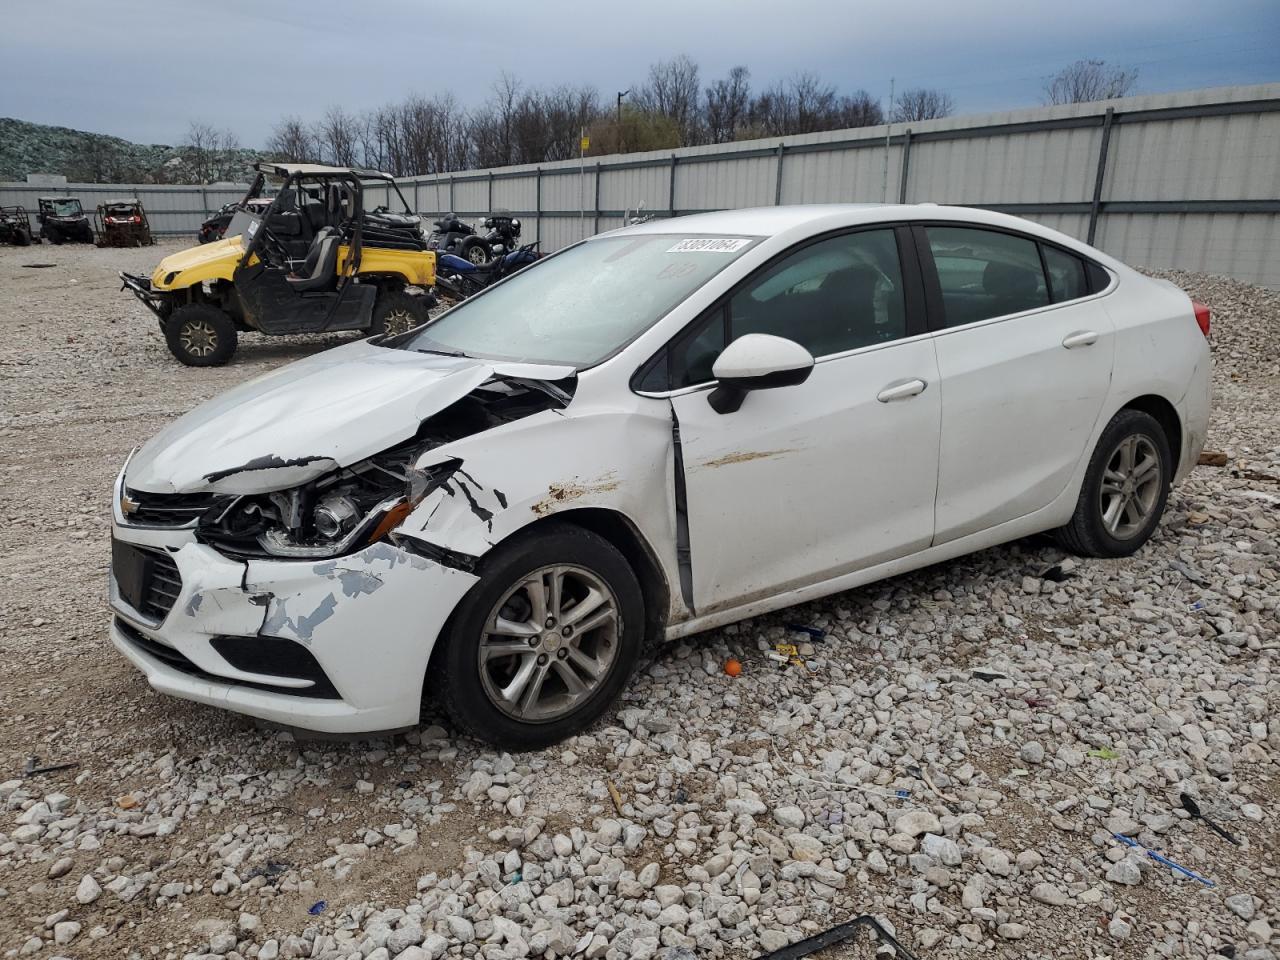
733,666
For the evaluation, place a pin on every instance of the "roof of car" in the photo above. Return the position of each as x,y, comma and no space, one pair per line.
768,221
318,170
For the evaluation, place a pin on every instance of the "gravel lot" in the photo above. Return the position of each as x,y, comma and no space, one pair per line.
1025,705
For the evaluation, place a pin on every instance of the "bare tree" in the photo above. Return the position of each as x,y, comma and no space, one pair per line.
336,135
922,103
726,105
291,141
210,154
1088,80
858,109
672,91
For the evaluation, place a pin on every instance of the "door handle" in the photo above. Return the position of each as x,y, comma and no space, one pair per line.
1081,338
901,390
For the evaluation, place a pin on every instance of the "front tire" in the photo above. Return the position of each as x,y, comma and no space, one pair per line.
22,238
200,335
396,311
53,236
1125,489
543,644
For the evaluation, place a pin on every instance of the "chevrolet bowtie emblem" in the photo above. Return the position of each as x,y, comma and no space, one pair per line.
127,504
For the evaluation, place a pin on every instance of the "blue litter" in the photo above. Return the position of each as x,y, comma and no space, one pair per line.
902,794
317,907
1175,867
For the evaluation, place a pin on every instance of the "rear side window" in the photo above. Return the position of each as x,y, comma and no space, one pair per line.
985,274
1066,274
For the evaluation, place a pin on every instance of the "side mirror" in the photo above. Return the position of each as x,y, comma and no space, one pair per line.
757,361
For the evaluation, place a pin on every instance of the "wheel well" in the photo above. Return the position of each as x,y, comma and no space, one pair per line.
1164,414
623,535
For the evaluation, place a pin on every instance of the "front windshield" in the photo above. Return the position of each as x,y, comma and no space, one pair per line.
67,208
582,305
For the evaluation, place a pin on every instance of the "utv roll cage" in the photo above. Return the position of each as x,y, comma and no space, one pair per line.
342,191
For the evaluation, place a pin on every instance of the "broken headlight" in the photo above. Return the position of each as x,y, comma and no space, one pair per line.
337,514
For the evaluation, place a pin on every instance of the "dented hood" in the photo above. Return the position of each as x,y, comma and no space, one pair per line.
305,419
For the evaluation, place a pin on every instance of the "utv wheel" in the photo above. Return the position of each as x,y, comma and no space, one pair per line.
543,644
200,335
1124,491
22,238
395,311
53,236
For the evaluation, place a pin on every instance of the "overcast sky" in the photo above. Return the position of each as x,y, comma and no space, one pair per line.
142,69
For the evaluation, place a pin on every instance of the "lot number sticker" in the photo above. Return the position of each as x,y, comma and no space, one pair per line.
710,245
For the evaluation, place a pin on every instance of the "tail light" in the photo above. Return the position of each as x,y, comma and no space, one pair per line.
1202,316
137,219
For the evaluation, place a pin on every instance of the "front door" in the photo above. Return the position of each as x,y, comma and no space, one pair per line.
805,483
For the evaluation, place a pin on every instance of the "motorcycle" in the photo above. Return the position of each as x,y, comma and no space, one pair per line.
504,232
457,279
452,236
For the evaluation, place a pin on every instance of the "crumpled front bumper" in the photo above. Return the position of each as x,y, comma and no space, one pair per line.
370,620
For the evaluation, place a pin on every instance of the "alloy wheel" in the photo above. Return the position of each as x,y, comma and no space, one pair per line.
398,321
549,643
198,338
1130,488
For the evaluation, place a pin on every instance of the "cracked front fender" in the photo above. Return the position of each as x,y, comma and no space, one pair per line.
551,464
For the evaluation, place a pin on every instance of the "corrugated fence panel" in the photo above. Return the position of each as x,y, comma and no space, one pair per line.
721,184
1237,245
627,189
1191,179
570,191
1208,158
471,197
845,176
515,193
1045,167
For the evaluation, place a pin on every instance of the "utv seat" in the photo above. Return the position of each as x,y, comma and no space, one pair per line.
318,269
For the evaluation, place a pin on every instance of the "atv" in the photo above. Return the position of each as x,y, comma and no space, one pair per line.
352,273
62,219
215,226
123,223
15,226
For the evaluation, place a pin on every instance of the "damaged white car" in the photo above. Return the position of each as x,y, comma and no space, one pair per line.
656,431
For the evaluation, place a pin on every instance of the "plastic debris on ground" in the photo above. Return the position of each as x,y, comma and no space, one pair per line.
1163,860
317,908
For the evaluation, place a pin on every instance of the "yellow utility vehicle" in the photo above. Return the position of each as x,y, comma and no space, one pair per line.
315,261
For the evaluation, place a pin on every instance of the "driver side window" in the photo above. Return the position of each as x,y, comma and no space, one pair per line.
838,294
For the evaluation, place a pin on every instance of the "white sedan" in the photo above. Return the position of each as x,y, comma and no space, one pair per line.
652,433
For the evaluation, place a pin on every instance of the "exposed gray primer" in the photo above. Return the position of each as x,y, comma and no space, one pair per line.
194,604
269,462
304,626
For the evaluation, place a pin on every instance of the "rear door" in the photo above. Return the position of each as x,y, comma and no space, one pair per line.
1025,354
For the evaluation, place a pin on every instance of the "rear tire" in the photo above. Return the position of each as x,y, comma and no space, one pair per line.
550,705
396,311
1124,491
200,335
473,251
22,238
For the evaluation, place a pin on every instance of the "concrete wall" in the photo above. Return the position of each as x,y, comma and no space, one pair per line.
1188,180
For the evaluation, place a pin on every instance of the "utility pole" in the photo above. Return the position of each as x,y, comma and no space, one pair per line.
621,94
884,182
